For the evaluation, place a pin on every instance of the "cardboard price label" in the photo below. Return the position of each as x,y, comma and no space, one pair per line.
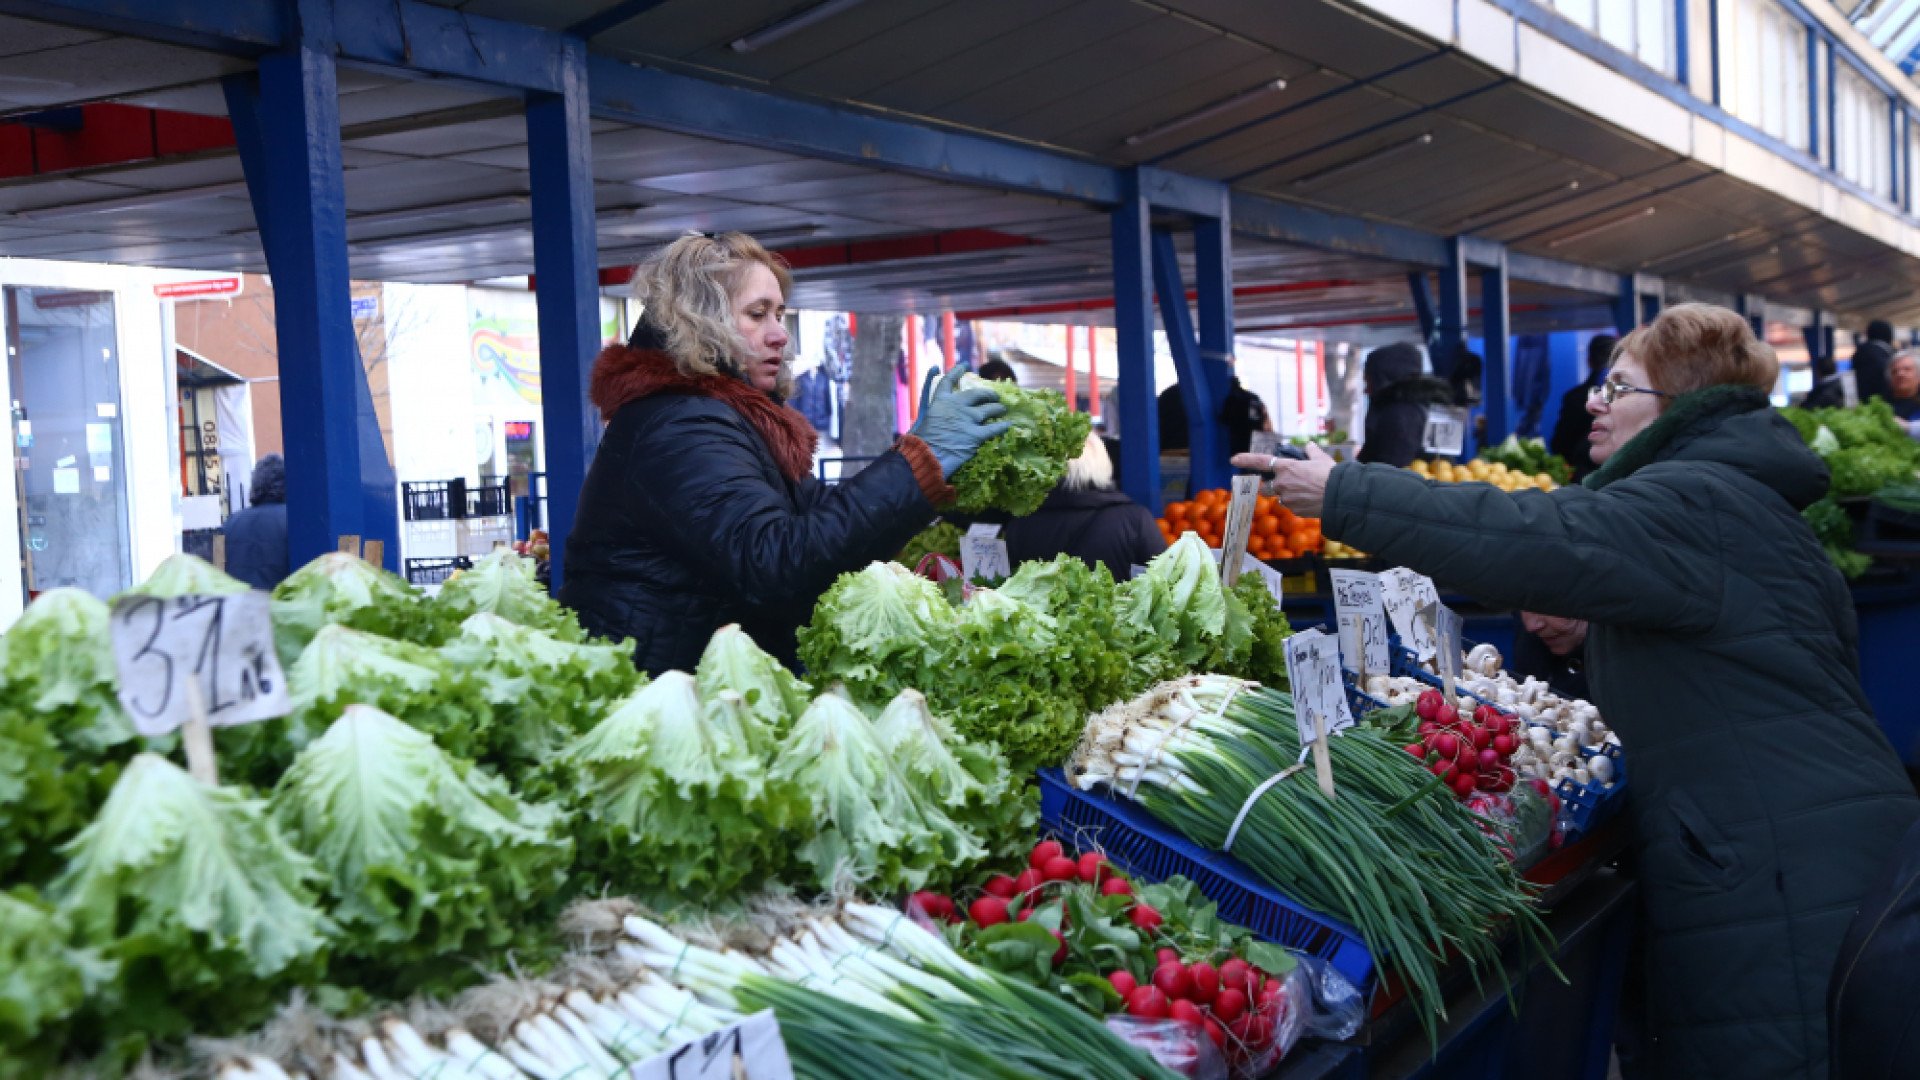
983,555
1357,604
1445,432
180,655
1319,693
1448,628
1404,592
751,1049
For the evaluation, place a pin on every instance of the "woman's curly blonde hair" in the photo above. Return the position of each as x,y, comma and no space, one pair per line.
686,289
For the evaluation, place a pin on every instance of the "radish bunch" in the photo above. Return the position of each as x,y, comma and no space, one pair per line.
1240,1008
1468,753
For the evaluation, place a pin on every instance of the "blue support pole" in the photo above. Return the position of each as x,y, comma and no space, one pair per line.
1133,333
1451,326
1213,279
1626,305
1423,306
339,481
1494,332
565,261
1755,309
1206,437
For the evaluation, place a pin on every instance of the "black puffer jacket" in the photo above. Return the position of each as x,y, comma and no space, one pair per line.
1397,399
1092,526
700,510
1723,649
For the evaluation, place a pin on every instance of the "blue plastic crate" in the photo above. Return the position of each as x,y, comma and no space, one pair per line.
1140,844
1359,700
1585,807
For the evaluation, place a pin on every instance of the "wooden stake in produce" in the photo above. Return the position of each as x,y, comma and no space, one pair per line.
1322,761
374,552
350,544
219,551
197,736
1233,546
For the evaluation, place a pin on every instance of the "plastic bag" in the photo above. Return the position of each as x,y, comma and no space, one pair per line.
1522,821
1277,1026
1180,1046
1336,1008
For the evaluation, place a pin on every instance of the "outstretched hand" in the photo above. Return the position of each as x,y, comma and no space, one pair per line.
955,422
1301,486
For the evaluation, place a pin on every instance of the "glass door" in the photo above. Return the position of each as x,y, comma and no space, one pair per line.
64,372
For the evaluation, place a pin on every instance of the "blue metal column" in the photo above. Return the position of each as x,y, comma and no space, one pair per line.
1819,337
1423,308
1451,335
1755,309
566,266
339,481
1199,392
1133,332
1495,335
1213,279
1626,305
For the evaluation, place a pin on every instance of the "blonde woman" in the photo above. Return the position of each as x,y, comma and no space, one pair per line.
1721,645
700,508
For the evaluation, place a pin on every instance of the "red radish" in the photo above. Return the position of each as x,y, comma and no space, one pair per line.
1002,886
1028,881
1044,850
1059,954
1269,992
1482,738
1123,981
1093,868
1173,980
1463,783
932,904
1446,715
1503,778
988,911
1144,918
1187,1013
1165,956
1061,869
1427,727
1498,722
1539,785
1428,705
1206,982
1503,745
1489,758
1148,1003
1216,1033
1230,1005
1441,768
1481,712
1417,750
1556,839
1025,914
1116,886
1259,1031
1233,975
1446,744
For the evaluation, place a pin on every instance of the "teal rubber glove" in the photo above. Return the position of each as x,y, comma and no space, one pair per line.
955,422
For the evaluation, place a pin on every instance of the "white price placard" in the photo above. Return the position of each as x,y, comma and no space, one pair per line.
1849,389
1357,602
1448,628
1313,670
1269,577
751,1049
1445,432
223,645
1404,593
983,555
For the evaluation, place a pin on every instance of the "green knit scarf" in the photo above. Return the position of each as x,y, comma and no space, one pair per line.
1700,410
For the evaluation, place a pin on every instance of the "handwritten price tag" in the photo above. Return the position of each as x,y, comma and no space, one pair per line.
983,555
1313,670
1404,593
1445,432
749,1050
1357,603
1448,628
219,648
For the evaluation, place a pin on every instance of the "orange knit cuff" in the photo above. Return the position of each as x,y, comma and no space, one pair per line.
926,470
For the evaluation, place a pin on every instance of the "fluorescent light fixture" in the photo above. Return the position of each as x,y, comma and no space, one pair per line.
1612,223
406,213
140,201
793,24
1368,158
1207,111
1479,217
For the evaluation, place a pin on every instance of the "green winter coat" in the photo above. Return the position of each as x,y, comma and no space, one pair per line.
1764,798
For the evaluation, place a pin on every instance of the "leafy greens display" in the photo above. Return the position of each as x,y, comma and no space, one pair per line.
1015,471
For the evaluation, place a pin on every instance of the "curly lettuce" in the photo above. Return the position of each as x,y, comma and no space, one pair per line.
1015,471
431,863
969,782
56,664
939,538
1180,602
504,584
1084,603
45,981
1265,660
1866,448
771,693
543,691
871,629
188,575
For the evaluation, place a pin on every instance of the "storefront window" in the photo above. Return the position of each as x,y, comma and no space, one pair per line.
1641,28
63,371
1764,76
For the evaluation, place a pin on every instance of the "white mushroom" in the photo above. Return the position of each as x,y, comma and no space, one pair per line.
1582,777
1601,766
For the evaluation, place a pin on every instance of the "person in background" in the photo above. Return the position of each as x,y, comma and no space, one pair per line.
1570,430
1243,413
1173,419
1903,387
1085,517
998,370
257,536
1872,359
1828,391
1398,396
1553,650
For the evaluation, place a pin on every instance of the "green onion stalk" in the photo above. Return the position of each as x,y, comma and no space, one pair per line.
1393,854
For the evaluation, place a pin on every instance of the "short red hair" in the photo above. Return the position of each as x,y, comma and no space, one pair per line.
1693,346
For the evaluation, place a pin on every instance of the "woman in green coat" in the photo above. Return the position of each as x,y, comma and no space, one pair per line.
1722,648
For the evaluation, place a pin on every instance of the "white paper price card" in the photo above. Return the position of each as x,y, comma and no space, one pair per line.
983,555
1271,578
751,1049
1448,629
1313,670
1403,592
1357,601
222,644
1445,432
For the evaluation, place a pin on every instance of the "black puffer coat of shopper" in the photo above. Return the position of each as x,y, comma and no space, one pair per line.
1398,396
1092,525
700,509
1723,649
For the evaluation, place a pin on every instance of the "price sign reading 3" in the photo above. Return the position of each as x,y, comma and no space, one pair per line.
222,644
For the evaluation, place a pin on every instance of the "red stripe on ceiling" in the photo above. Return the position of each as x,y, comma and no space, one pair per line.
1067,306
109,135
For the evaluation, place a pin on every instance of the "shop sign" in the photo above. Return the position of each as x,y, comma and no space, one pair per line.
48,301
199,289
365,307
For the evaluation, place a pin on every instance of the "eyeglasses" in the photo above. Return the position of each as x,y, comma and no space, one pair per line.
1611,390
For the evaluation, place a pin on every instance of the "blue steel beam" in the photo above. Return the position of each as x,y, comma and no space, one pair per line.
1133,333
1201,392
338,479
1451,333
1423,306
1494,336
1213,280
565,260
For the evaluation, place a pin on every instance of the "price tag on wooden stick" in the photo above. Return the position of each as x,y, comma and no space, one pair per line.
1403,592
1357,603
1233,544
178,657
751,1049
1319,697
1447,629
983,555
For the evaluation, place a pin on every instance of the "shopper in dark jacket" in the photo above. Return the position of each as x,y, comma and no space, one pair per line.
1571,428
1871,359
1871,1007
700,508
1086,518
257,536
1721,646
1398,396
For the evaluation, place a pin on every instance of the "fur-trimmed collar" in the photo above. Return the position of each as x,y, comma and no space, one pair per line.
623,374
1699,411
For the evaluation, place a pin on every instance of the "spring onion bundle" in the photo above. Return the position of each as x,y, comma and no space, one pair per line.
1392,854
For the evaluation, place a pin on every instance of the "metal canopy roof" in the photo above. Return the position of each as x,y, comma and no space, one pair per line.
1371,122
